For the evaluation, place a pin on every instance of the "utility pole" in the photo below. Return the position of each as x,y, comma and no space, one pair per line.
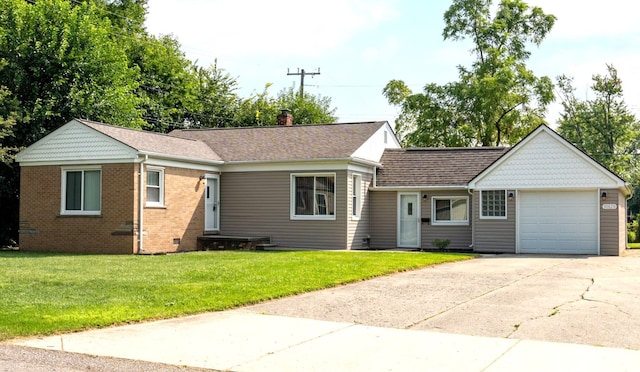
302,73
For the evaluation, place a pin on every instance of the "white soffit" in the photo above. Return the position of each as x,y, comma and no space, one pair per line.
75,142
545,161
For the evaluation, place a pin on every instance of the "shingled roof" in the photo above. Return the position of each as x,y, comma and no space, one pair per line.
155,142
435,166
297,142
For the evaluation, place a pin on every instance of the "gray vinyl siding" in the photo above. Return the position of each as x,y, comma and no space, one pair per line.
358,229
258,204
384,219
612,224
459,235
491,235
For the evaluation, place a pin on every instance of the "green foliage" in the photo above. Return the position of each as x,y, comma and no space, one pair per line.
603,126
441,244
45,293
62,62
497,100
216,97
262,109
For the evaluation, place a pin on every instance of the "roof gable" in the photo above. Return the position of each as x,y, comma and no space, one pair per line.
285,143
373,148
75,142
155,143
434,167
545,160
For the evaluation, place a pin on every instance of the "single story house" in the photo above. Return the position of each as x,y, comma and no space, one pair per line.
110,189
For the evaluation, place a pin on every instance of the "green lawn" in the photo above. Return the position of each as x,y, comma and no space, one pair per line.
633,245
50,293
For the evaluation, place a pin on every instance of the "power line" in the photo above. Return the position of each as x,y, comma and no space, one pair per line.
302,73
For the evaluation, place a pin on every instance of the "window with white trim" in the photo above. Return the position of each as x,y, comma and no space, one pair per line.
356,196
313,196
81,191
493,204
450,210
155,187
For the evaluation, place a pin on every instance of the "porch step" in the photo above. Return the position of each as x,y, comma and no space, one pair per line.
225,242
264,246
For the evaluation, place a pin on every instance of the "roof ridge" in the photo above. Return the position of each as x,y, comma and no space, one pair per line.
137,131
278,126
471,148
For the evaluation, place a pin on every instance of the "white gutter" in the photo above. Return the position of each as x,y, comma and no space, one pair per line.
412,188
317,160
180,158
141,206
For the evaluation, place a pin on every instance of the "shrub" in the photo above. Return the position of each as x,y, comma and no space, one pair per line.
441,244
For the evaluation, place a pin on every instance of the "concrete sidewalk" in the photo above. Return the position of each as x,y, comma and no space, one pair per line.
241,340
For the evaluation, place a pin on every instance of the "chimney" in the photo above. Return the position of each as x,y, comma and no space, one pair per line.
285,118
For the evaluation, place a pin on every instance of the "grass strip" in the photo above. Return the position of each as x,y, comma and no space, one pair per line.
44,294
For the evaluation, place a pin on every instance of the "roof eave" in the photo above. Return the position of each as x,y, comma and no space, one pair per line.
418,187
181,158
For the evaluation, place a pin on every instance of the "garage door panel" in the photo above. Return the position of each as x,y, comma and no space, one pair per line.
558,222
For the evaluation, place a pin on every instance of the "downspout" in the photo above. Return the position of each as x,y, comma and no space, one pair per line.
141,206
473,225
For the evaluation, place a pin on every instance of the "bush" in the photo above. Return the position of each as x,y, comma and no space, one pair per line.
441,244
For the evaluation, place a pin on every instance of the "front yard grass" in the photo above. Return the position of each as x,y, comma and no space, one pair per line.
52,293
633,245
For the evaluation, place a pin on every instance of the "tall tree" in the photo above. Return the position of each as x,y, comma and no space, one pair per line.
62,61
216,97
262,109
495,101
602,126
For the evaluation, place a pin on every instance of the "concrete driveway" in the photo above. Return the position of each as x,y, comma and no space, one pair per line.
584,300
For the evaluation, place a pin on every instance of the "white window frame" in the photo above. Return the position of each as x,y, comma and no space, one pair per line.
160,202
292,202
356,196
434,221
63,192
482,216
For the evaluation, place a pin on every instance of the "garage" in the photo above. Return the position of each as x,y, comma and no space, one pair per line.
558,222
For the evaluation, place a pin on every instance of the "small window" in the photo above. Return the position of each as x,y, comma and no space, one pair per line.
155,187
493,204
81,189
356,196
450,210
313,196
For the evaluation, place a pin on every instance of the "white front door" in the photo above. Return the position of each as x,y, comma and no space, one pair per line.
211,205
408,220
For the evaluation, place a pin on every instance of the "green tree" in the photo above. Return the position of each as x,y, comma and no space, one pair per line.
262,109
602,126
497,100
62,61
307,109
167,84
216,97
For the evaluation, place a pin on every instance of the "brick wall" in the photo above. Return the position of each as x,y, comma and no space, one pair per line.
42,228
182,217
173,228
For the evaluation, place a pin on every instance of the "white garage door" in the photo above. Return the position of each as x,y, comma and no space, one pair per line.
558,222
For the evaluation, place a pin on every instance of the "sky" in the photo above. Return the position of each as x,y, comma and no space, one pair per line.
358,46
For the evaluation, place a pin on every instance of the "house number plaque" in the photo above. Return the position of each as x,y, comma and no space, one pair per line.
609,206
